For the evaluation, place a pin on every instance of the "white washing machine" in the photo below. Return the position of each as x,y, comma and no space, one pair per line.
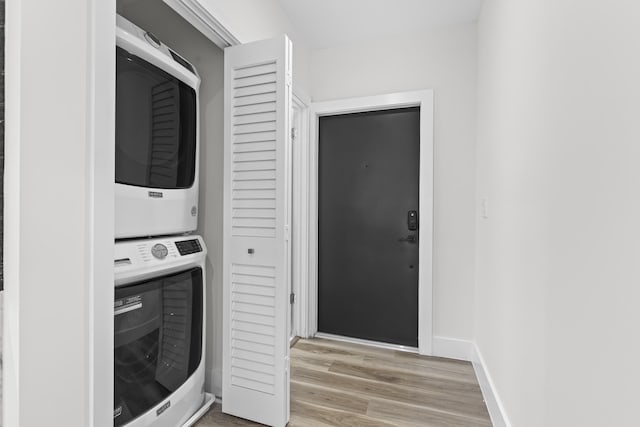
159,332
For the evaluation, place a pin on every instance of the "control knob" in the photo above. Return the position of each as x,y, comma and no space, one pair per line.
159,251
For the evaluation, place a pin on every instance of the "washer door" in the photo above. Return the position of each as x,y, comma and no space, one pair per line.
158,340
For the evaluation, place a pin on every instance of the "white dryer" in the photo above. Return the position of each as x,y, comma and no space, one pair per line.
159,332
157,137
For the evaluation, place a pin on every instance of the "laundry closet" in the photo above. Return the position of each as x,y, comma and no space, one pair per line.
79,206
168,218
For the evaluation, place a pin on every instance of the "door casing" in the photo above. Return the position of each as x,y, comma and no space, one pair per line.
424,100
300,203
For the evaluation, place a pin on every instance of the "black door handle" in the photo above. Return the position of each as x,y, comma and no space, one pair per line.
411,238
412,220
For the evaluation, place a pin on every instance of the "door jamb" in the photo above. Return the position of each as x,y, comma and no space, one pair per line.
423,99
299,261
205,22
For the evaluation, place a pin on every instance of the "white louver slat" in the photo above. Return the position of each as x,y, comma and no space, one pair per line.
254,150
256,250
253,327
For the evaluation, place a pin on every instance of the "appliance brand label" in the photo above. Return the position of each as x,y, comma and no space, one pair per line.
155,194
117,412
163,408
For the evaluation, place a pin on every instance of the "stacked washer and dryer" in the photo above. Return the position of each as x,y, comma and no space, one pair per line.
159,307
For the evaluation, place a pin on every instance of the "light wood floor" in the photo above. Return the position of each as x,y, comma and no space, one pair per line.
341,384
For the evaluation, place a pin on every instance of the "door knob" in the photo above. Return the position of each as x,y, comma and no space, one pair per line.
412,238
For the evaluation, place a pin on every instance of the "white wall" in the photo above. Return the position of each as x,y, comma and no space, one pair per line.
443,60
558,149
58,247
157,17
252,20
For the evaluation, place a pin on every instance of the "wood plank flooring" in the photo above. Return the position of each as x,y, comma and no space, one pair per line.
342,384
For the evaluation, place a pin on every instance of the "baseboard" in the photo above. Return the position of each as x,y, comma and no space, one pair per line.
492,400
213,381
452,348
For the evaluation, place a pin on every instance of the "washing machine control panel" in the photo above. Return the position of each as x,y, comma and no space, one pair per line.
133,254
188,247
157,251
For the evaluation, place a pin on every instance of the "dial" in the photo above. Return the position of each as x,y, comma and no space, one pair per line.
159,251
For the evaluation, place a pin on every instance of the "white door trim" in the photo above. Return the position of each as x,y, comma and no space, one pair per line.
423,99
300,235
198,16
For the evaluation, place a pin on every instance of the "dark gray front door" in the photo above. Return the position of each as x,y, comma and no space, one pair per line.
369,170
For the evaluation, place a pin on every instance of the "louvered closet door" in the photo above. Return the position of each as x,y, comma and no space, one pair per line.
256,222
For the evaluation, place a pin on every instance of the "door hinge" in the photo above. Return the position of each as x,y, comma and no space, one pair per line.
292,298
294,134
289,79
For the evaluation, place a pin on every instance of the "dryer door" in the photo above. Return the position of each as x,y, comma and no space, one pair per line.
158,340
156,119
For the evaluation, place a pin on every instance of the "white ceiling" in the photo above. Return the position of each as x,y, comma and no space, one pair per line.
328,23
